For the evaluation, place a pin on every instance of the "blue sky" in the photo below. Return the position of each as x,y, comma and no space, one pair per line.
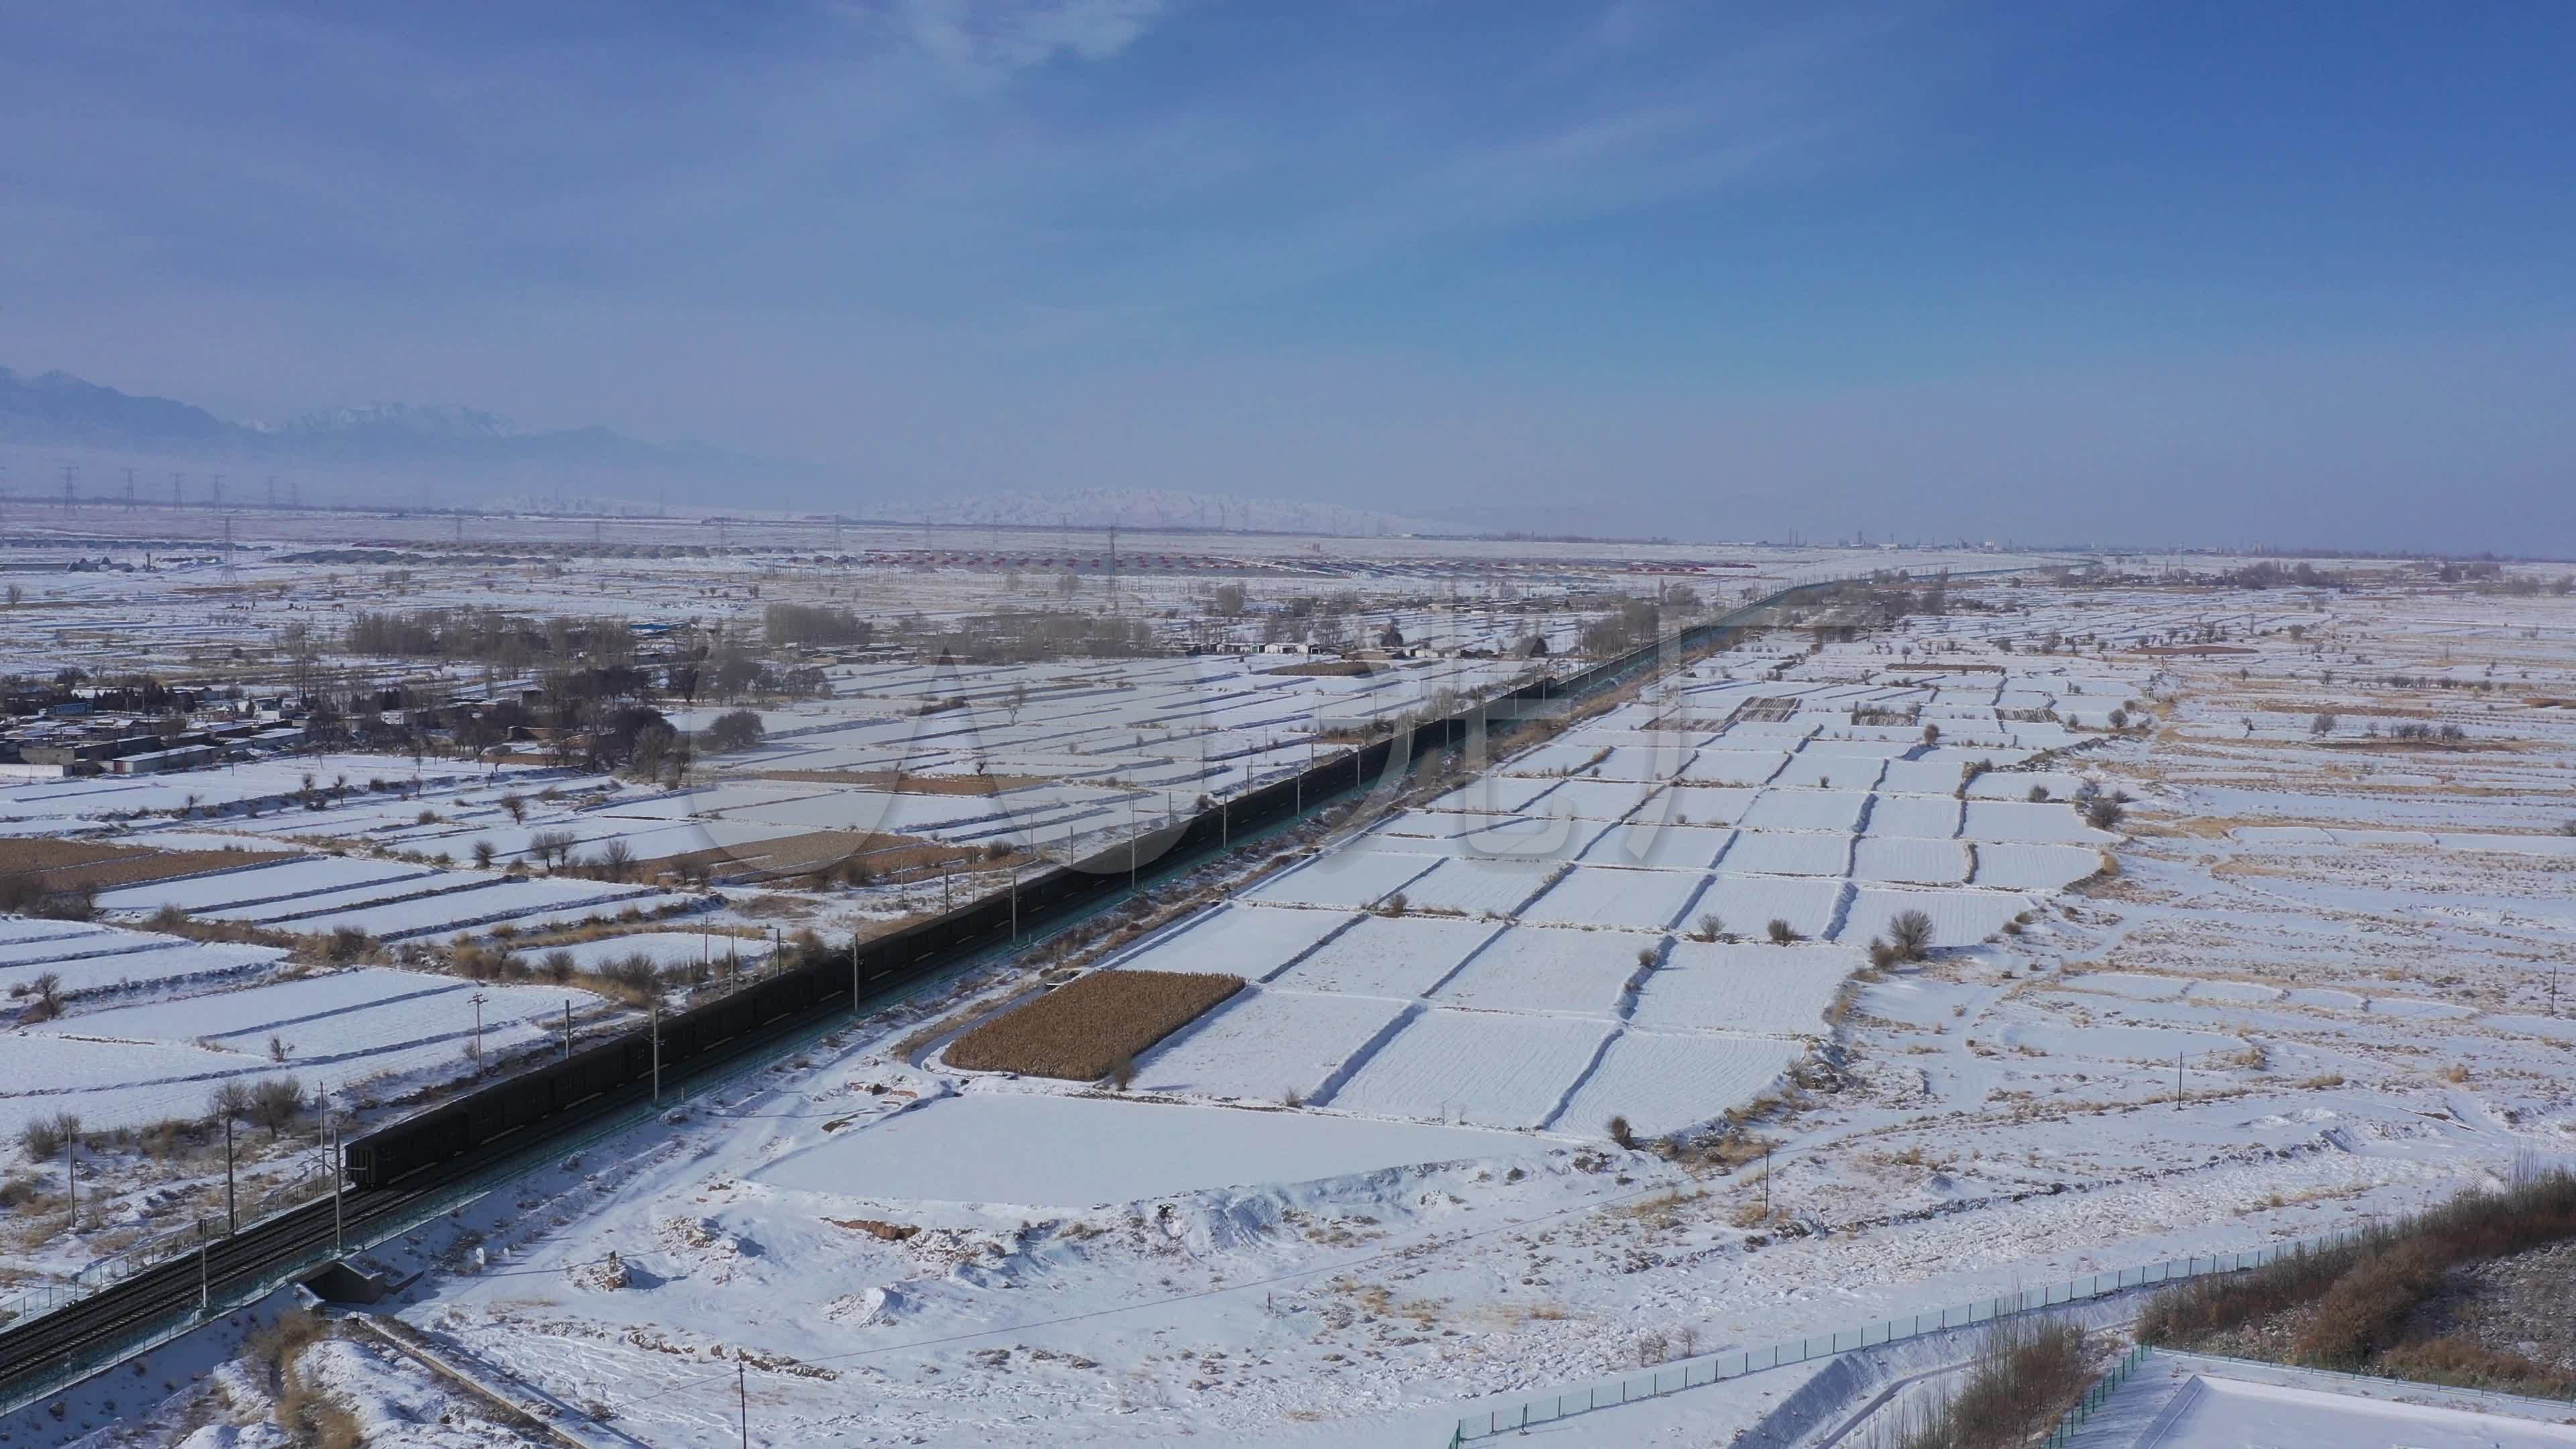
2166,272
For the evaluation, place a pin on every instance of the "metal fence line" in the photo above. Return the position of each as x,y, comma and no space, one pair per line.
1710,1368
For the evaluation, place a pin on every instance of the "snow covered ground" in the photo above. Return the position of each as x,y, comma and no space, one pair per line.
2309,986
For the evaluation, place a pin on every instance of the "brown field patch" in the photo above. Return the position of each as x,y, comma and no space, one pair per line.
1084,1030
106,865
903,784
1325,669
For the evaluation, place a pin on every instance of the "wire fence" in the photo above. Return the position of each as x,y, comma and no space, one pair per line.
2095,1397
310,1181
1712,1368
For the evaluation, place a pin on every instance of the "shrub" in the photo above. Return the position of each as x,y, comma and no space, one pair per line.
48,989
1395,904
1910,932
559,966
1881,954
2028,1370
517,805
2104,813
2038,793
736,730
47,1136
1621,1133
1782,933
1710,926
275,1103
2365,1286
229,1101
483,853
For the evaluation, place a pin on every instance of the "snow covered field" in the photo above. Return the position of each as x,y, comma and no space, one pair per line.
2311,986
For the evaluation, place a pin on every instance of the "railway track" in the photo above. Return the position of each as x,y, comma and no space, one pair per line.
46,1353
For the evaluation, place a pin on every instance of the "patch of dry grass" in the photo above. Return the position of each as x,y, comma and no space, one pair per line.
1093,1026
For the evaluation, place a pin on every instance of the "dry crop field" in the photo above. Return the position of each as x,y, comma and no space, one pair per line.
1085,1030
98,865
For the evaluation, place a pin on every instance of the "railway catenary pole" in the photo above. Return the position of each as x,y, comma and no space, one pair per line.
657,1025
339,1185
231,1220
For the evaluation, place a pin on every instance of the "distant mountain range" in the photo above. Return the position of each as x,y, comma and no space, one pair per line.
56,409
387,450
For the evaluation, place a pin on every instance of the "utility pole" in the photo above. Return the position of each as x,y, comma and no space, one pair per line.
1015,929
854,975
657,1049
947,901
478,998
339,1181
567,1050
2178,1081
232,1218
1131,842
205,1279
742,1398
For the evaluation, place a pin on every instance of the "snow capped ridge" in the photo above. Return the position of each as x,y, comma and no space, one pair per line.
432,421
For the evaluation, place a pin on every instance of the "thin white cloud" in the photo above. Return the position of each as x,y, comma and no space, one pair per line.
986,40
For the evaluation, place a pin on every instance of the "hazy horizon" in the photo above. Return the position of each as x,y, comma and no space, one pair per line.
2138,274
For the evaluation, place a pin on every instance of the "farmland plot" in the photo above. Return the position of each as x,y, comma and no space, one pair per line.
129,1065
114,960
1659,845
1634,899
1348,879
1700,805
1250,941
1548,970
663,948
261,884
1736,987
1596,799
2027,820
1490,794
1390,956
1921,817
526,902
1806,810
1717,767
1959,917
106,1083
1747,904
1266,1043
1484,1068
1911,862
2019,865
1920,777
1479,887
1575,757
1849,772
1789,852
1664,1083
